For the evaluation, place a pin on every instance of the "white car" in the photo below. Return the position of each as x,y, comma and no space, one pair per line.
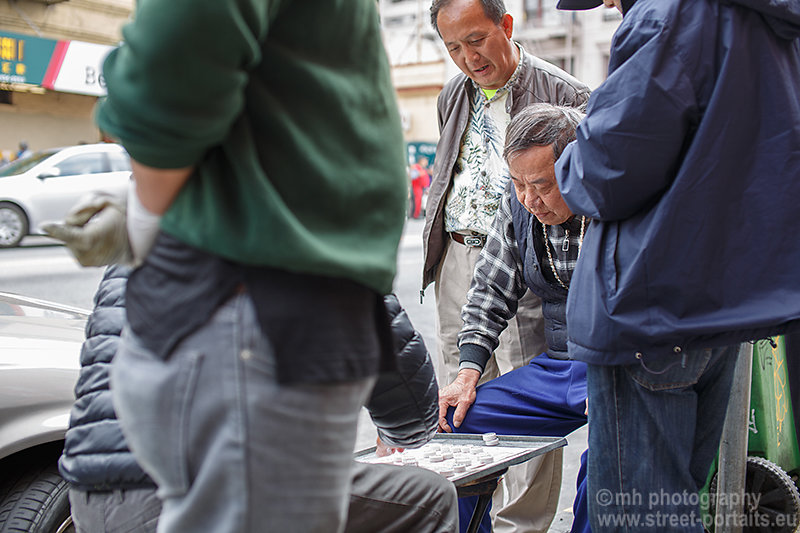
40,345
44,186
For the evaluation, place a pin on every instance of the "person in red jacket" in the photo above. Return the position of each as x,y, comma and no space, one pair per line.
420,180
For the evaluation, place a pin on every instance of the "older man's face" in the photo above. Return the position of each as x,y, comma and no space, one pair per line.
482,49
534,177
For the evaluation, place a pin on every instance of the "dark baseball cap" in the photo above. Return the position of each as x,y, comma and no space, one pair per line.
578,4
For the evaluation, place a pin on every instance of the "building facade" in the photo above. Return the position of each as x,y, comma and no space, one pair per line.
51,53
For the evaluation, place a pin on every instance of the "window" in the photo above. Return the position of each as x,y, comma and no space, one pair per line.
533,9
402,20
119,162
543,13
83,164
23,165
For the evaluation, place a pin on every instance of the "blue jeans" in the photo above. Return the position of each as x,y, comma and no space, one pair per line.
230,447
654,429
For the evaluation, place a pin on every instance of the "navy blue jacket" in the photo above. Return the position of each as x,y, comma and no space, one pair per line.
689,163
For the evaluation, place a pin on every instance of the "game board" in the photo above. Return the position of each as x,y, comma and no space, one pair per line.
462,458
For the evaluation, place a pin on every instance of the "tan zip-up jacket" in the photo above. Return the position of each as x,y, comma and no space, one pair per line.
539,81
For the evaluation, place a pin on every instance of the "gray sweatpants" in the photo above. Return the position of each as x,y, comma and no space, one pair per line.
118,511
383,498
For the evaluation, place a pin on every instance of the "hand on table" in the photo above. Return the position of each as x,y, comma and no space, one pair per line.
382,450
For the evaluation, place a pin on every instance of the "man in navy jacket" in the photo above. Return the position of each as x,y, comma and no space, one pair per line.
688,162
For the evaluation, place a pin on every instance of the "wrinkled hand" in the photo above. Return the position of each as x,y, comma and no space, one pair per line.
459,394
95,231
382,450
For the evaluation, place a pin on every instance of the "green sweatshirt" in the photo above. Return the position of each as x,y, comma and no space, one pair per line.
286,109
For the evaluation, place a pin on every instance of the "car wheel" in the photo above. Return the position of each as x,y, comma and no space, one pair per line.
13,225
37,502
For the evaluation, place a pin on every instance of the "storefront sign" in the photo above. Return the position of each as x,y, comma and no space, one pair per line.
64,66
77,67
24,59
421,149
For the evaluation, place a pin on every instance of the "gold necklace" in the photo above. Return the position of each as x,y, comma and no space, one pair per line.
564,248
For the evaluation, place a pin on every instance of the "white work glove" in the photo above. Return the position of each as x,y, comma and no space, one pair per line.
142,226
94,231
98,232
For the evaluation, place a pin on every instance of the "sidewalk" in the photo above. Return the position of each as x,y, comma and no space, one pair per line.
576,444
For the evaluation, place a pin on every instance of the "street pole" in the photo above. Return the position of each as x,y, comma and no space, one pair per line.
733,448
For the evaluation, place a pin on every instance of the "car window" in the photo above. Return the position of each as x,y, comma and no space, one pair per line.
83,164
22,165
119,161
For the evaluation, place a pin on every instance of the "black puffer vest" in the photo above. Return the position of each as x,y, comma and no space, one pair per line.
554,297
96,456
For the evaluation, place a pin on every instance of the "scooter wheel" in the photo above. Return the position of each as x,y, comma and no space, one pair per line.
771,502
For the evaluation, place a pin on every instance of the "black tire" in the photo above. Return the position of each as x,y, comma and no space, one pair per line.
773,498
13,225
38,502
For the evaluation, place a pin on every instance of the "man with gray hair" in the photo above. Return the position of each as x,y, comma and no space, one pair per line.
498,79
474,108
534,243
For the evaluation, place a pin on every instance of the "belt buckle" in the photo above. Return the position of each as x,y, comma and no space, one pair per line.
473,241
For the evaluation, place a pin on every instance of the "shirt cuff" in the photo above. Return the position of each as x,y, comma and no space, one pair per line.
471,366
473,356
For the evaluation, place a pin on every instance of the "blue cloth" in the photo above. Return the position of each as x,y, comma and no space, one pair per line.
580,507
546,398
653,436
688,163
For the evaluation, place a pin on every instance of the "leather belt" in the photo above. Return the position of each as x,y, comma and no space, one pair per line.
473,241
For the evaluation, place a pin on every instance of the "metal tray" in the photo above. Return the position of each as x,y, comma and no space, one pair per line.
529,447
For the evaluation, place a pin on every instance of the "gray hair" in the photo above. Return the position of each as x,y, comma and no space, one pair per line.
541,125
494,10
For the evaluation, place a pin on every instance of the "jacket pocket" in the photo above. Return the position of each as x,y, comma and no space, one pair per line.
610,266
671,372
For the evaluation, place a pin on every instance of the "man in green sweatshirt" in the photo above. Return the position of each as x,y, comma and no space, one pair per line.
267,206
